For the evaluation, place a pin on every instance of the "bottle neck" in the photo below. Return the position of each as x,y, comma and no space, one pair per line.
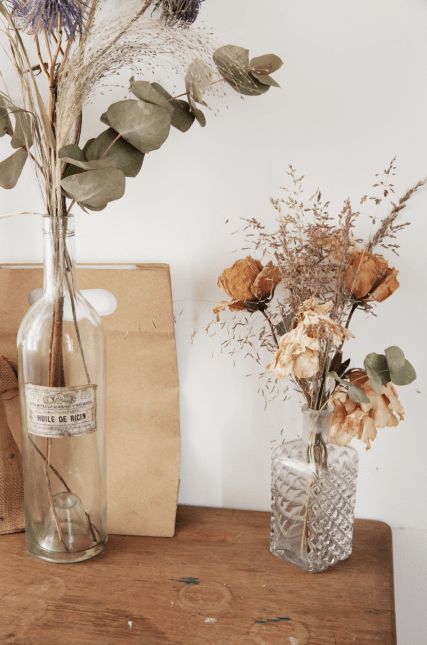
315,423
58,241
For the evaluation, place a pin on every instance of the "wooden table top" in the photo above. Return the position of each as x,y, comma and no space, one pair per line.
215,582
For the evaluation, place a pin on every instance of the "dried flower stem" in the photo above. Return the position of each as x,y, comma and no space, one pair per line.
273,331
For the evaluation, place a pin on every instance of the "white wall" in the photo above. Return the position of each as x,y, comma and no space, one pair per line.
354,94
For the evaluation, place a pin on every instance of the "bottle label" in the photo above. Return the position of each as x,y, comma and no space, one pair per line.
60,411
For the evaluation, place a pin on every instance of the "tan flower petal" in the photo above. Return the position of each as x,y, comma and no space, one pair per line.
369,432
387,287
237,281
306,365
389,391
266,281
369,275
352,419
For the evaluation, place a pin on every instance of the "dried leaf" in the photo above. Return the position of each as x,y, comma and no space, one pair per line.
11,169
233,64
197,80
94,189
145,126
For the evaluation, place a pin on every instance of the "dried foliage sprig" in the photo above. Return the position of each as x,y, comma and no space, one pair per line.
327,274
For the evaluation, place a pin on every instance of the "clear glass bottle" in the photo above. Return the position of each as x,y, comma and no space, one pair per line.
313,497
61,378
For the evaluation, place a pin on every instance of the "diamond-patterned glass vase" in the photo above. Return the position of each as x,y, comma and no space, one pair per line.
313,497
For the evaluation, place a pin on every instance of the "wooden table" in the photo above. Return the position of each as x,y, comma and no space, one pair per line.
215,582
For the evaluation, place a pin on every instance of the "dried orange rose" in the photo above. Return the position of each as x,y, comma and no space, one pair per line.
247,281
361,420
299,349
370,277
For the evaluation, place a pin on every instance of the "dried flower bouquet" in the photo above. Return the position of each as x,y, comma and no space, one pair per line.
325,275
318,274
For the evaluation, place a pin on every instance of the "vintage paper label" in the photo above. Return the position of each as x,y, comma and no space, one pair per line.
60,411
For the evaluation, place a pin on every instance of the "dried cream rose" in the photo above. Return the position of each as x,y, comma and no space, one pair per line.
298,355
299,349
370,277
247,281
361,420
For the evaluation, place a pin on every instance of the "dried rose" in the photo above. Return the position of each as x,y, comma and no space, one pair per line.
361,420
248,284
370,277
299,349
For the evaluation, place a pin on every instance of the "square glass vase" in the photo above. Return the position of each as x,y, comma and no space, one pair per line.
313,490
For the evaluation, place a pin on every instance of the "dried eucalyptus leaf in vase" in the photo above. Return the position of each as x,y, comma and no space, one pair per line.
377,370
5,122
234,65
357,395
198,114
94,189
71,154
145,126
262,66
11,169
401,370
119,152
23,135
197,80
146,91
182,116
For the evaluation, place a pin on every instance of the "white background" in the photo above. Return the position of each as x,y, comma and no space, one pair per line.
354,94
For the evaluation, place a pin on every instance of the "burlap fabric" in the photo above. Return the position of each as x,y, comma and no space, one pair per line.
11,480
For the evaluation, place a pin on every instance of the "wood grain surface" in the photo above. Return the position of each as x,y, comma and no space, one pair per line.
215,582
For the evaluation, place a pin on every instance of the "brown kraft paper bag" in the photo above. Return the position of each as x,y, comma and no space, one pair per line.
142,392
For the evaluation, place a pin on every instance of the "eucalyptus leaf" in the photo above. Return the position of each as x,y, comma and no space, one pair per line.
266,64
11,169
265,79
5,122
357,395
233,64
197,80
87,145
72,151
23,133
120,153
94,189
395,358
377,370
145,91
401,370
198,114
182,117
145,126
96,164
71,154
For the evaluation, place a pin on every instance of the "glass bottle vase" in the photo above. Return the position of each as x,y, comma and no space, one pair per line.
313,497
61,380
